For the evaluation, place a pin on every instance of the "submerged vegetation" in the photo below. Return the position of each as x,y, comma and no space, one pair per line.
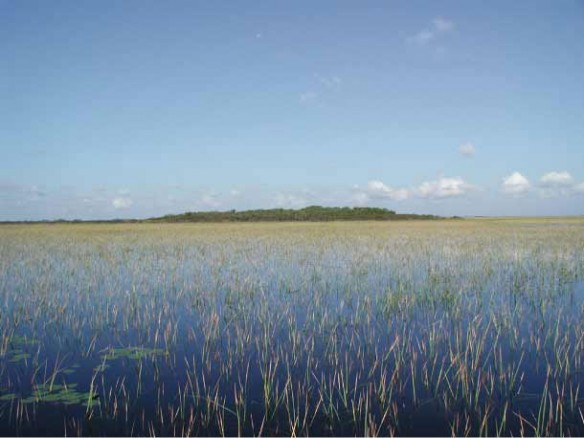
371,328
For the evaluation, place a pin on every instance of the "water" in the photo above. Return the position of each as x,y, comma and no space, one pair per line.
328,332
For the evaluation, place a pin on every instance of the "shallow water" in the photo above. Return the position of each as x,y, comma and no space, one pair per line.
313,330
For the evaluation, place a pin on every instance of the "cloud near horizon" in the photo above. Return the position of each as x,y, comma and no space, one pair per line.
443,195
559,183
444,187
562,178
122,202
551,184
515,184
378,189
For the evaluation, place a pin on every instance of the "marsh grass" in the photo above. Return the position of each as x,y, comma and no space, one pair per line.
454,327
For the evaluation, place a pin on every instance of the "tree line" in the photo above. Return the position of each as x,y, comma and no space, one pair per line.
313,213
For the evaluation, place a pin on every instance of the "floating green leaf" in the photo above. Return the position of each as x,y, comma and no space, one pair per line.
20,356
7,397
133,353
58,393
23,340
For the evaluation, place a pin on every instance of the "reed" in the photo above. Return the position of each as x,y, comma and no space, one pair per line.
472,326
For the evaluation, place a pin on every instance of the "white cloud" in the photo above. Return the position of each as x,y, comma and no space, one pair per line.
554,184
443,188
442,25
438,27
422,37
284,200
122,202
467,149
324,87
308,97
36,191
515,184
333,82
24,192
210,200
579,188
557,179
378,189
359,198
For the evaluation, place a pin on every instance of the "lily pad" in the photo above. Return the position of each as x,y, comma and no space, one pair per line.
133,353
23,340
8,397
20,356
58,393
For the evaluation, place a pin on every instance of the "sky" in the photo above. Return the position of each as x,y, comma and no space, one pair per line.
121,109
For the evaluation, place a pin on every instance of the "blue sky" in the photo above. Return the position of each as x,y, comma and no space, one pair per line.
143,108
